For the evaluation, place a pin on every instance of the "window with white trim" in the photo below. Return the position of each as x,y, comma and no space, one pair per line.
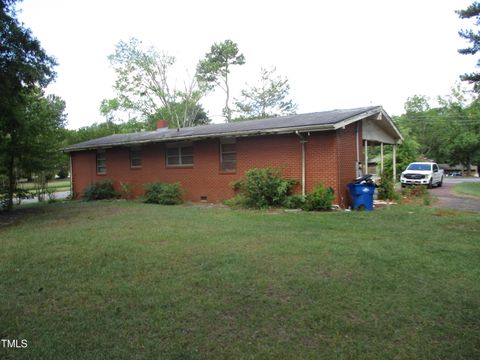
228,155
101,162
135,157
179,154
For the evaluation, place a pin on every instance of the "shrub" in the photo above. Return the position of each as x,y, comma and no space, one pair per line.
415,191
238,201
386,189
163,193
427,199
294,202
321,198
100,190
417,194
263,188
126,189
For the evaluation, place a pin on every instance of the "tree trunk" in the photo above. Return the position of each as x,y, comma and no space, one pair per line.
469,169
228,113
11,182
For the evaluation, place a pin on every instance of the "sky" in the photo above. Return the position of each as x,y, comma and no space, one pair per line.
336,54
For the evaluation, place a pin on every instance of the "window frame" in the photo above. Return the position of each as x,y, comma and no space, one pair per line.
179,146
227,141
138,156
101,155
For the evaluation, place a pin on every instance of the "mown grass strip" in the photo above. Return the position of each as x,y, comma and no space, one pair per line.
125,280
468,188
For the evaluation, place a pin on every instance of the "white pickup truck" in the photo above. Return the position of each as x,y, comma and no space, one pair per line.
422,173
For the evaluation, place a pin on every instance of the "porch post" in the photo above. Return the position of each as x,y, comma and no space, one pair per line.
381,158
394,163
365,170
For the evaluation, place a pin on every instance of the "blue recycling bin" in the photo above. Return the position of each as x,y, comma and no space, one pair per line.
362,195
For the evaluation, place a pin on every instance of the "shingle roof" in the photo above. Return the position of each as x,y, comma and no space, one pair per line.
317,121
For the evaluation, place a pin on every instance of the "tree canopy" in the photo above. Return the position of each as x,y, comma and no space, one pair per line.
29,121
214,69
144,86
448,133
268,98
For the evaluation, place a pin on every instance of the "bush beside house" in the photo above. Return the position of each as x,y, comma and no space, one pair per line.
163,193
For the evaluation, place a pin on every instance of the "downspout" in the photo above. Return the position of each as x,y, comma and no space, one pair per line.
71,177
302,141
357,147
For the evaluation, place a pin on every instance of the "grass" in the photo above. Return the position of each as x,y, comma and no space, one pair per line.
468,188
126,280
55,185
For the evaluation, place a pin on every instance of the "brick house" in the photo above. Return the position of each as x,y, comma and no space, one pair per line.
323,147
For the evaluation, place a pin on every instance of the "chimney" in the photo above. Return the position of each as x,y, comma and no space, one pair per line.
162,125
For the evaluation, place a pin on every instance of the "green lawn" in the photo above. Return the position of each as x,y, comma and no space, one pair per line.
54,185
125,280
468,188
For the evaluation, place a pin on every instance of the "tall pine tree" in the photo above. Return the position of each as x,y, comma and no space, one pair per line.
473,37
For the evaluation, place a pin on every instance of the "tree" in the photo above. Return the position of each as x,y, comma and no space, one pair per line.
473,37
44,121
407,152
143,85
448,133
24,68
267,99
195,111
214,69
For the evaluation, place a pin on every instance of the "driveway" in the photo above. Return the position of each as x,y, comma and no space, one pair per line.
447,198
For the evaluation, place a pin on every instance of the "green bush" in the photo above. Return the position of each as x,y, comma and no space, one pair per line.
100,190
294,202
163,193
386,189
263,188
321,198
415,191
126,189
238,201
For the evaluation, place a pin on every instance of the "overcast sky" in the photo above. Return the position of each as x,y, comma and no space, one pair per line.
336,54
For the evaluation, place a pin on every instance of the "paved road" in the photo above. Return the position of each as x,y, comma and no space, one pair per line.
58,195
447,198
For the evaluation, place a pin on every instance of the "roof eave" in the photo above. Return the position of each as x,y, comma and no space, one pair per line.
288,130
368,113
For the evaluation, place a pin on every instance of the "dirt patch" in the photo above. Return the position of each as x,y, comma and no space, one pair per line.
449,199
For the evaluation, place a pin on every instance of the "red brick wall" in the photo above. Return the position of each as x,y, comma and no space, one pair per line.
347,157
204,178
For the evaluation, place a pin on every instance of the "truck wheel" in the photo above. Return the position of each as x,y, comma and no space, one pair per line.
440,183
430,184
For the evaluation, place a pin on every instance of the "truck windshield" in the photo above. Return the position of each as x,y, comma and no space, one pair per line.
424,167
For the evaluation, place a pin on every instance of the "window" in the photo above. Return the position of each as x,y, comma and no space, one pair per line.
180,154
101,162
135,157
228,155
420,166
